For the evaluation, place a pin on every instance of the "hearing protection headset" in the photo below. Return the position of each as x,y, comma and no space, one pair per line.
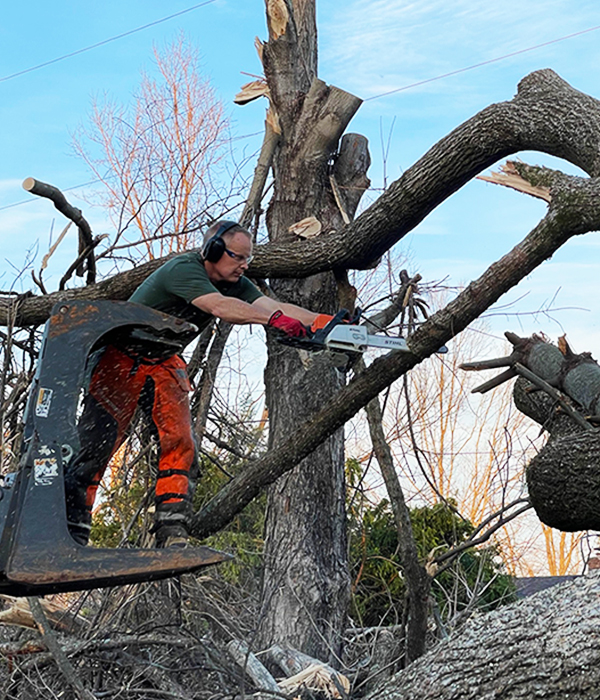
215,246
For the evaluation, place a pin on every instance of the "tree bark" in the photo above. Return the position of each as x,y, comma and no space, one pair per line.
546,646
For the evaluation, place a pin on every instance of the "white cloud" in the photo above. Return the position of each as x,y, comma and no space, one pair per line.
372,47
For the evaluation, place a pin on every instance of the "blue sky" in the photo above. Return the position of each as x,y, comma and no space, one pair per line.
366,47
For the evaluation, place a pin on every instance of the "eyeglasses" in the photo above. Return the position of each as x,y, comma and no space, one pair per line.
239,258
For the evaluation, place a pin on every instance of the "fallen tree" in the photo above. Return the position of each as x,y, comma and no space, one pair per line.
560,390
546,646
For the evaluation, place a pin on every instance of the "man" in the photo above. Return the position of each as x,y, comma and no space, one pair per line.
194,287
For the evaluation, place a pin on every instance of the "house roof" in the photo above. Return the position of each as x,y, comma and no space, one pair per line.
533,584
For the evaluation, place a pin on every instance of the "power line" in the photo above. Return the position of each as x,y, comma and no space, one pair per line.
94,182
483,63
29,201
106,41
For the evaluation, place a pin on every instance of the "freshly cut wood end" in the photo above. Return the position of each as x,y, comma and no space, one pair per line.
259,46
509,177
278,17
318,678
28,183
252,91
306,228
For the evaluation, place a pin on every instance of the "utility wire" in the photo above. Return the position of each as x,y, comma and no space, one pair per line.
32,199
483,63
106,41
94,182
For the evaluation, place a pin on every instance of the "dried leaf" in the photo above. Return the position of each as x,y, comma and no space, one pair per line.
252,91
278,16
306,228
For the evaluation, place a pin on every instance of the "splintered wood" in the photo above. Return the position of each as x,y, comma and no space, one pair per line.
259,46
278,17
57,611
273,120
509,177
320,679
252,91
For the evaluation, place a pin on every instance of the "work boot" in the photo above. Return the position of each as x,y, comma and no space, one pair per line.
171,535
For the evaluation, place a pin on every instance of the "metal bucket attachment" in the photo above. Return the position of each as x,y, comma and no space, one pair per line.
37,554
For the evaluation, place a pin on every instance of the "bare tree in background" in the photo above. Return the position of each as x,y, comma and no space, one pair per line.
158,159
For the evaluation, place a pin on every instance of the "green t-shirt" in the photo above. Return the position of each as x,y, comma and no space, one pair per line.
175,284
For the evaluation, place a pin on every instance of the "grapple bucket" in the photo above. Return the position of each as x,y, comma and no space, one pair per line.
37,554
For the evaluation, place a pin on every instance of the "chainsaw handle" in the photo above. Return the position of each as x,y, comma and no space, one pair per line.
342,316
315,340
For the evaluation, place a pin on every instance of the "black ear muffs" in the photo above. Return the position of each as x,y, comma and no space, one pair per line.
215,246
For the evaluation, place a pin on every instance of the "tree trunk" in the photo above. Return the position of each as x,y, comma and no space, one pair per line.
546,646
305,590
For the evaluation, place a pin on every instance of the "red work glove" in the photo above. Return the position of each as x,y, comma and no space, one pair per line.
320,322
290,326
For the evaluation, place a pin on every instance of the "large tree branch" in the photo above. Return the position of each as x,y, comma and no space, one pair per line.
574,210
547,115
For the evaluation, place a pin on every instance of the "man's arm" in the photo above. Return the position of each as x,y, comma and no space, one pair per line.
233,310
269,306
260,311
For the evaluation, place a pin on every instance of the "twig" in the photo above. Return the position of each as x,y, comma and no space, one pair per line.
57,652
480,540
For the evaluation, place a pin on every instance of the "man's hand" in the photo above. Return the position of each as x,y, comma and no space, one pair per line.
290,326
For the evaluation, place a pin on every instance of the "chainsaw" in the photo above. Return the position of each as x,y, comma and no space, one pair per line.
345,340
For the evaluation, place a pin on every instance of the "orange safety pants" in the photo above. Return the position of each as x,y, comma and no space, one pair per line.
118,385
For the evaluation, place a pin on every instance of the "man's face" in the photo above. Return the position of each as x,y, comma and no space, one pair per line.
234,261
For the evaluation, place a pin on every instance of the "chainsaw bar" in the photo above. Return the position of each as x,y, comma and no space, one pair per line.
345,340
356,339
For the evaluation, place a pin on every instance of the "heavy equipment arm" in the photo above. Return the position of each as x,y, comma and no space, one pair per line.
37,554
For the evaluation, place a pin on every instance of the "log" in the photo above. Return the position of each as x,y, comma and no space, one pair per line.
564,482
305,671
59,616
252,667
290,661
545,646
564,478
